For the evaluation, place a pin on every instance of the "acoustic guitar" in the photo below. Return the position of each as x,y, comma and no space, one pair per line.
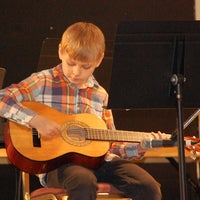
84,140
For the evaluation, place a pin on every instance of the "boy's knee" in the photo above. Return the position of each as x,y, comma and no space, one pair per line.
153,192
85,179
82,178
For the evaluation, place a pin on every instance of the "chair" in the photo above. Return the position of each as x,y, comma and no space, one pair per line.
105,191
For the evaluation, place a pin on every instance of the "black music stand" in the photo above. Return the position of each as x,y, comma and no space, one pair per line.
155,65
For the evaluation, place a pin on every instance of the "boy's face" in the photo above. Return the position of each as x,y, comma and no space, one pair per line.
76,71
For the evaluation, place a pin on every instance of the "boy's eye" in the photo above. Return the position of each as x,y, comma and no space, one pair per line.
70,63
86,66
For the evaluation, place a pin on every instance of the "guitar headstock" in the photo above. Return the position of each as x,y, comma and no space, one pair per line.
192,144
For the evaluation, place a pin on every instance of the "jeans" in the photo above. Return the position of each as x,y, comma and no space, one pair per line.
81,182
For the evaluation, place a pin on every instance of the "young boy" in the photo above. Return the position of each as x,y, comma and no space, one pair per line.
71,88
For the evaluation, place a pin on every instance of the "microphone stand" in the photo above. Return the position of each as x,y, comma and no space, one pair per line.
191,119
178,81
187,122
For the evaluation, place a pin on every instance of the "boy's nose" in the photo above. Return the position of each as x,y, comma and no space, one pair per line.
76,70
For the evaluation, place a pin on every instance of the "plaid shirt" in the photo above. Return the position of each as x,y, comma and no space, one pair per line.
52,88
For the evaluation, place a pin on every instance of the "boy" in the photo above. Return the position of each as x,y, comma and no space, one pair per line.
71,88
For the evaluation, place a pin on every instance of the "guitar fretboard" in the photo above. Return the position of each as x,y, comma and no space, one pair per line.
117,135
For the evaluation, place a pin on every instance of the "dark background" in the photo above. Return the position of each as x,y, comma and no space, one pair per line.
24,24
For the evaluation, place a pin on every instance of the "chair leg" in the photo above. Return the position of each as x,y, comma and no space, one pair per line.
25,185
26,196
64,198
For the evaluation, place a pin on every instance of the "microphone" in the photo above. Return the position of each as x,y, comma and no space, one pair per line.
189,142
149,143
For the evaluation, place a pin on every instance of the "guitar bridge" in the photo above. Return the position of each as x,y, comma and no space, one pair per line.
36,138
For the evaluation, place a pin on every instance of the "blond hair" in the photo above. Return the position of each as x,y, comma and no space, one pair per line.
83,41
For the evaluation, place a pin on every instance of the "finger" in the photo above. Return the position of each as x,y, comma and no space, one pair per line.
159,135
153,135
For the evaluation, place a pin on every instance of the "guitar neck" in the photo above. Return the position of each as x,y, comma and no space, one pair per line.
116,135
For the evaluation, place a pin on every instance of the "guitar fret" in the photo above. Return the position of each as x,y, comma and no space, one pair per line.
115,135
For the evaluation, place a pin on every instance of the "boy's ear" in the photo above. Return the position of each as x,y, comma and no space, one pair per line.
59,52
100,60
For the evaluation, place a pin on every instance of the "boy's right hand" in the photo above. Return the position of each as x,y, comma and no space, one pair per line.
45,127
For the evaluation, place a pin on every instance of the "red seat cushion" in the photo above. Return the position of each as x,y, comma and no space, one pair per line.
59,192
108,188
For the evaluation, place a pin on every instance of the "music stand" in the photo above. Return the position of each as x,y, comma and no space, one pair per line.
155,65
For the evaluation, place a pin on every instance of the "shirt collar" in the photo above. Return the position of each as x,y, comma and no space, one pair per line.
91,82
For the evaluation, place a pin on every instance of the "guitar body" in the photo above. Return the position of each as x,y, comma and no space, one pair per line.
62,149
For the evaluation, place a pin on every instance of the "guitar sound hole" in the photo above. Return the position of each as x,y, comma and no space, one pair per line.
75,133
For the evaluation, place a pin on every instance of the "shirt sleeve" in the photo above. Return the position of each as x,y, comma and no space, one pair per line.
127,150
12,96
121,149
107,115
108,119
